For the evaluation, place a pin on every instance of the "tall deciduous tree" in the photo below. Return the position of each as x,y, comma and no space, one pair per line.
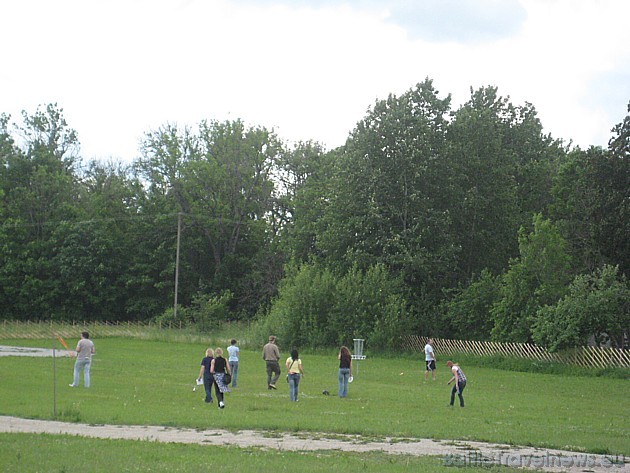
302,177
40,191
500,169
592,203
387,200
483,205
220,178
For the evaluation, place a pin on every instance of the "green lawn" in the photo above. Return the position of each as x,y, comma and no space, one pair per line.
23,453
150,383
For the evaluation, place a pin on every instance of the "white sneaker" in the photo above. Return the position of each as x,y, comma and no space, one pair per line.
72,385
221,405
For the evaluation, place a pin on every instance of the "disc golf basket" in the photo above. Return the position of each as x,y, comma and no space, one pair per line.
358,351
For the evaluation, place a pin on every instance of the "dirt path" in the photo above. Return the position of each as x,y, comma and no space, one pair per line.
458,453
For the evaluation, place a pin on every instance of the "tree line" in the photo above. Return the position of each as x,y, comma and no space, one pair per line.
463,223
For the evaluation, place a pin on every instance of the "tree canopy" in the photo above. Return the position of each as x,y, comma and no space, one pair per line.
467,222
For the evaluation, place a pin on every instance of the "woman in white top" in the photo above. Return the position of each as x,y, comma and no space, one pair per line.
460,382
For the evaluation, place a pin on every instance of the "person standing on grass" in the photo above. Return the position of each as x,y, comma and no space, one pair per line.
429,358
271,355
234,353
218,368
460,383
345,370
204,372
85,350
294,367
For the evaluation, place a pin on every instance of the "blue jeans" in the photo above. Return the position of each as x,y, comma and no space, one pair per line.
344,375
294,382
82,364
208,380
234,370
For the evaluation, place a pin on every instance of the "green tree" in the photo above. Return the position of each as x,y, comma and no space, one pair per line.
386,204
539,277
572,207
592,206
316,307
484,206
303,176
499,171
220,179
468,311
597,305
40,190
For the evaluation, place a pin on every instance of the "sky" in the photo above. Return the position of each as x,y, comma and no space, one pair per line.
309,70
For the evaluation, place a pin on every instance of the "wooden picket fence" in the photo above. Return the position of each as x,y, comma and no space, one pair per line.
587,356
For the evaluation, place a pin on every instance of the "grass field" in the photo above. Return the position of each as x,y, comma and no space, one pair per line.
150,383
22,453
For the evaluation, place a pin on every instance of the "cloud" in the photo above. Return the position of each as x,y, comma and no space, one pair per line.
307,68
463,21
430,20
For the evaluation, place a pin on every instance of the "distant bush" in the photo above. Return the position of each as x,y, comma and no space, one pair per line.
205,312
316,308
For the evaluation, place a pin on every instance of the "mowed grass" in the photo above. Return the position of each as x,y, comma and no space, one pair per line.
23,453
150,383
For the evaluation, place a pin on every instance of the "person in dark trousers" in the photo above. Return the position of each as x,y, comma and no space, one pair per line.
460,382
218,368
204,372
271,355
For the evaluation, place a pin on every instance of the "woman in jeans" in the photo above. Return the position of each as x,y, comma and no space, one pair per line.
345,370
294,367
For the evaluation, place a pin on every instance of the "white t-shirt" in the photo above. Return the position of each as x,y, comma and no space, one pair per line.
233,351
428,353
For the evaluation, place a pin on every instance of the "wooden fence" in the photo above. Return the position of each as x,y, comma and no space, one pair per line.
581,356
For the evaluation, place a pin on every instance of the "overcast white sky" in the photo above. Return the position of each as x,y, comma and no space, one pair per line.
308,69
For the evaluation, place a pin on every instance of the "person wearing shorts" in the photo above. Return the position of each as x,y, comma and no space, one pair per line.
429,358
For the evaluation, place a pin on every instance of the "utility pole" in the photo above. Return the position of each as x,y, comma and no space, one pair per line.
179,231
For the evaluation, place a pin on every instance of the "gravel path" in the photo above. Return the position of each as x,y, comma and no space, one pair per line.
457,453
30,351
